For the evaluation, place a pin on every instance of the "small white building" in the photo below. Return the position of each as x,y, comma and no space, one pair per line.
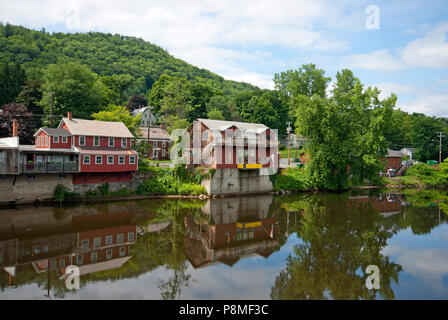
145,116
408,152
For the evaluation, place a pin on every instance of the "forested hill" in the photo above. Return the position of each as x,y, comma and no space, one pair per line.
106,55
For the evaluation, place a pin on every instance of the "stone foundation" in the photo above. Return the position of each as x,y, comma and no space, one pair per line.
236,181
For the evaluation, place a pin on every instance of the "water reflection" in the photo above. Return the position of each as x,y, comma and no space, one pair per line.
308,246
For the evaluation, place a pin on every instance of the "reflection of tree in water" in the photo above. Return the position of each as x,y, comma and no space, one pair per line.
340,239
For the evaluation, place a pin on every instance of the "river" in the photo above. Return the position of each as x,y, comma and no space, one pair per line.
306,246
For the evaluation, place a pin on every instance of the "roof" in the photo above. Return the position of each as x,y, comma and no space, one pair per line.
53,132
32,148
412,150
394,154
223,125
9,143
138,111
102,266
155,133
82,127
106,151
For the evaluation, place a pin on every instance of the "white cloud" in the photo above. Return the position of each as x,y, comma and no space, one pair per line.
429,51
377,60
196,30
387,88
433,105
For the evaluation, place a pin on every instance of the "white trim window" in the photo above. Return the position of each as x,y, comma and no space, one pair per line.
97,242
86,159
79,260
124,142
82,141
163,152
38,141
56,139
110,159
111,141
42,141
120,238
94,257
121,160
122,251
98,159
132,160
64,139
109,254
163,144
96,141
131,236
46,141
109,240
85,243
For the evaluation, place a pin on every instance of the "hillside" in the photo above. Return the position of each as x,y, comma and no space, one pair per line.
105,54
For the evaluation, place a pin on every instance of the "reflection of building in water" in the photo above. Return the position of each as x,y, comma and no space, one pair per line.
92,242
386,204
233,228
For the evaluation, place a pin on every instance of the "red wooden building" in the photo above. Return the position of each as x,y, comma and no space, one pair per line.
231,145
94,151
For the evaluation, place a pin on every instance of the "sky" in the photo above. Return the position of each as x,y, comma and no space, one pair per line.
398,46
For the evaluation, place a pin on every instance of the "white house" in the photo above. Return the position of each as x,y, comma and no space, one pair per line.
145,116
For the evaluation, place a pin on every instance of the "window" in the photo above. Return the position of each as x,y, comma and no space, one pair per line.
79,260
53,264
124,142
96,141
120,238
56,139
98,159
111,142
110,159
82,140
64,139
46,141
109,254
97,242
1,158
121,160
205,136
41,141
37,249
85,243
163,144
163,152
132,160
131,236
86,160
122,251
94,257
38,141
61,263
109,240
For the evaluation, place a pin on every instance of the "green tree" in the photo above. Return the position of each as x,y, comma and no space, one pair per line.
346,133
118,114
215,115
221,104
12,77
31,95
118,84
76,87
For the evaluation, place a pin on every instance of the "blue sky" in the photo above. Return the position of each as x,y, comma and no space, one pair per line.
252,40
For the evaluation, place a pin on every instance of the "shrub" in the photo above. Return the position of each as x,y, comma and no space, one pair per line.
62,194
191,189
291,179
104,189
428,175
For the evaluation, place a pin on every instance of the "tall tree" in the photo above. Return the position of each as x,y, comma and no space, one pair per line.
76,87
19,112
12,78
30,95
118,114
135,102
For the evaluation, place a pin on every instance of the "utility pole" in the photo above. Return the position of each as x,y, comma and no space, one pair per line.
149,128
441,135
289,142
52,109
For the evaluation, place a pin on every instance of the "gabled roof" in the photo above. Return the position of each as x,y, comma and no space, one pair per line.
223,125
83,127
394,154
155,133
53,132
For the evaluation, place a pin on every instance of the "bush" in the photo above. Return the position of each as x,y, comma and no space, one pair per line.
62,194
291,179
189,189
104,189
428,175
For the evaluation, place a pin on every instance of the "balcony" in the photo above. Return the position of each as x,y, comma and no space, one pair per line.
50,167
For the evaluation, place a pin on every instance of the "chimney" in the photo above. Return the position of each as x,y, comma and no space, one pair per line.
15,129
69,115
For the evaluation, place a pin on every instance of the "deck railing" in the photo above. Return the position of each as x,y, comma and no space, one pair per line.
50,167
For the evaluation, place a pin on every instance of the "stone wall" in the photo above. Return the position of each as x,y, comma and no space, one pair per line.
236,181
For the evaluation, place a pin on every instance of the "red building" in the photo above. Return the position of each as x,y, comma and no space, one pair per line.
232,145
94,151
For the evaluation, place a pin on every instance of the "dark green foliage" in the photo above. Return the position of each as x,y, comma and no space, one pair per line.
291,179
106,55
12,78
104,189
63,194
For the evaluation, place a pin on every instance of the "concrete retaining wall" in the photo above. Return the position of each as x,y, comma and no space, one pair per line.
235,181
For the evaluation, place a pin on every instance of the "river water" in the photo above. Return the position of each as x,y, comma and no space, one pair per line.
307,246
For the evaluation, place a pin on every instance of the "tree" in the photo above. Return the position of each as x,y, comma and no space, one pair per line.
200,96
12,77
76,87
15,111
118,114
215,115
118,83
346,133
135,102
31,95
221,104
